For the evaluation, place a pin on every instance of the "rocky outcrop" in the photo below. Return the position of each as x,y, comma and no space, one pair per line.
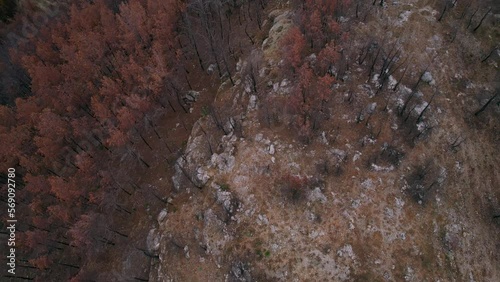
189,167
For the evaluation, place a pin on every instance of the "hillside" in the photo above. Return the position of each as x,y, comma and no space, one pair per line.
374,199
253,140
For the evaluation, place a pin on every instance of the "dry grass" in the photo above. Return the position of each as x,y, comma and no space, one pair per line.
376,224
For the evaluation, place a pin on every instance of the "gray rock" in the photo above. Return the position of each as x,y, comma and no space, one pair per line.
371,108
225,161
211,68
340,155
312,58
239,65
162,215
262,219
427,77
189,166
258,137
240,272
202,177
253,102
271,149
153,241
316,195
276,87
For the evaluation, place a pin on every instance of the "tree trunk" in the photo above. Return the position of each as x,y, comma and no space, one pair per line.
486,105
481,21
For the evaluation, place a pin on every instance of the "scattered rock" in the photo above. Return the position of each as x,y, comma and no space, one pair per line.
225,161
189,166
356,156
324,140
162,215
371,108
284,83
382,168
252,105
153,241
311,58
368,184
339,154
240,272
191,97
258,137
211,68
346,251
239,65
427,77
271,149
403,17
316,195
202,177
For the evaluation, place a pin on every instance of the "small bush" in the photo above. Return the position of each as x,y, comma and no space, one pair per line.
293,188
224,186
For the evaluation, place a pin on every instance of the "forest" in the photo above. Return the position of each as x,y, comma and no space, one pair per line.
99,97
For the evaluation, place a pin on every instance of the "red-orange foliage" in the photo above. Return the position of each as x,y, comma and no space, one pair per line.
41,263
327,58
293,44
95,76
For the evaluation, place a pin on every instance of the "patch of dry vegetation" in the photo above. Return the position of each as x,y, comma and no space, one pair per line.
399,183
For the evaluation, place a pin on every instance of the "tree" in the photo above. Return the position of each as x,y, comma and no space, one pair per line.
68,191
497,93
315,28
36,184
293,44
41,263
251,68
327,58
53,132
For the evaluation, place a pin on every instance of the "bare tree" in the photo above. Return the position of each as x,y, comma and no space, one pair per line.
251,68
481,21
487,103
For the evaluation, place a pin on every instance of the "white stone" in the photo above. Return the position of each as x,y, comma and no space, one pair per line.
258,137
427,77
162,215
271,149
253,102
153,240
316,195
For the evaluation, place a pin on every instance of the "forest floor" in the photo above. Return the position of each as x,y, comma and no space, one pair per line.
348,206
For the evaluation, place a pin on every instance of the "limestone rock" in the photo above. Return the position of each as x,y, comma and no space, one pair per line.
162,215
153,241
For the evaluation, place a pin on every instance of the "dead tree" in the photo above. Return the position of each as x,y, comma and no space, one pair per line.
217,120
401,78
489,54
471,17
251,68
208,139
487,103
426,107
481,21
456,143
372,68
420,78
443,12
406,103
